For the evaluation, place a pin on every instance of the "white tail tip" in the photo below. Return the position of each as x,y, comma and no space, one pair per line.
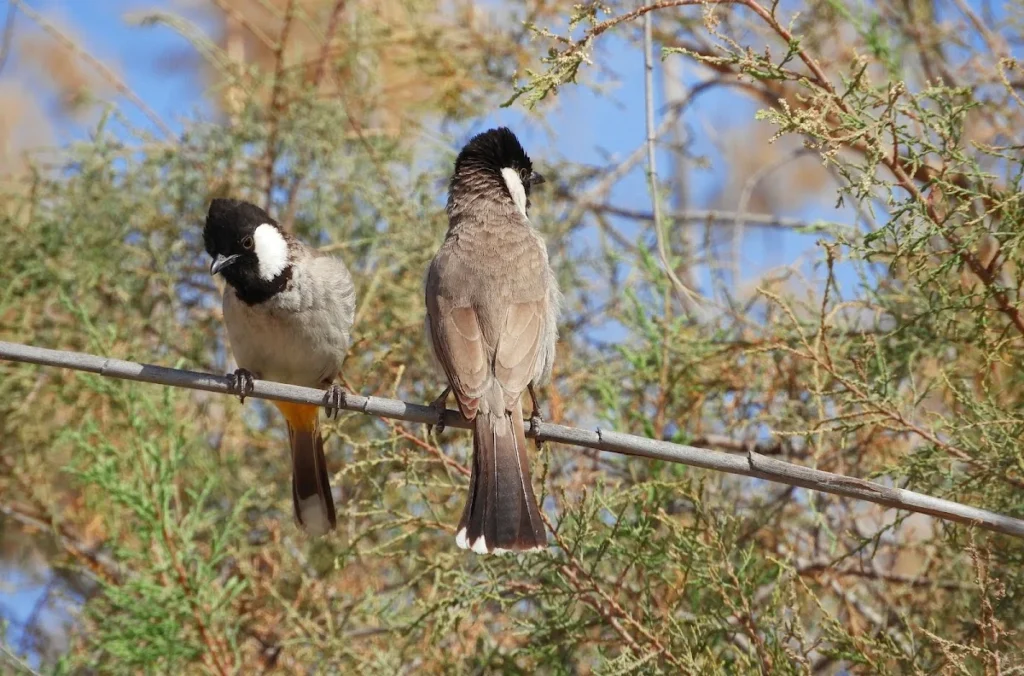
314,519
479,546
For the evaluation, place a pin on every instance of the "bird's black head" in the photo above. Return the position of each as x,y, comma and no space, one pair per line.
248,248
495,160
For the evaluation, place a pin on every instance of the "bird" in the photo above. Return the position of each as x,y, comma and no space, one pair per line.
288,310
492,305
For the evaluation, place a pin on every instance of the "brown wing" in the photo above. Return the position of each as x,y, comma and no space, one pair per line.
518,345
478,344
459,346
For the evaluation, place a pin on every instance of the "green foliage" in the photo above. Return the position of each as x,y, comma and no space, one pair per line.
894,353
176,538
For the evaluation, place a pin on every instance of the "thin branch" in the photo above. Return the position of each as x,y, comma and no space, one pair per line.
827,568
752,464
724,443
675,93
288,219
994,42
599,28
592,198
16,662
109,75
903,170
242,21
610,610
8,36
905,173
749,186
97,563
276,105
332,28
724,216
687,296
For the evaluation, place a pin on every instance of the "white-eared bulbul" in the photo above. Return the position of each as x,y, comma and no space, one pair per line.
492,311
288,311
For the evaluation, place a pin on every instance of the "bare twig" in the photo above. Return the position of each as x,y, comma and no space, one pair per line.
611,611
332,28
687,296
760,220
5,47
907,173
741,208
242,21
752,464
591,199
107,74
829,569
276,105
97,563
6,656
994,42
288,218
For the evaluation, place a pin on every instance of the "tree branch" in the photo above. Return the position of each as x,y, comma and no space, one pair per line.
104,71
752,464
688,297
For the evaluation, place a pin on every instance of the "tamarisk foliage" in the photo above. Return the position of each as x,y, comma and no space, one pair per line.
876,333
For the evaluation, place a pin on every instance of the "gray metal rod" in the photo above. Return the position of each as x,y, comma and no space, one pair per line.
752,464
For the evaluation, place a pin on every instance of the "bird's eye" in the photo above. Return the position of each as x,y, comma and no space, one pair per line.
247,242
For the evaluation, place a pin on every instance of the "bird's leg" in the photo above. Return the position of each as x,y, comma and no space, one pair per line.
440,405
334,400
535,417
242,383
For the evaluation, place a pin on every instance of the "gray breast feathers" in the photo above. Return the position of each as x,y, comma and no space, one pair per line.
300,335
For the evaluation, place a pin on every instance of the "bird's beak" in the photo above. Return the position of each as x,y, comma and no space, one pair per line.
537,179
221,262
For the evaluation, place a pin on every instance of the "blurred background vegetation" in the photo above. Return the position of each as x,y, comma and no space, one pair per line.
841,184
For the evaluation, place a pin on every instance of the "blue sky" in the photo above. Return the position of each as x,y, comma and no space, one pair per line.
110,35
586,127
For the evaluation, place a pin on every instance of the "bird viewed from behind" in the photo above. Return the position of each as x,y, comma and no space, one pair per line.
288,310
492,311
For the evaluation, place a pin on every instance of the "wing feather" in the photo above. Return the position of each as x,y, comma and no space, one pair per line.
518,347
460,348
477,345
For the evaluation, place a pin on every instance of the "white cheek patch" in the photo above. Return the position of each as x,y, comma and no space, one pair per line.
515,188
271,251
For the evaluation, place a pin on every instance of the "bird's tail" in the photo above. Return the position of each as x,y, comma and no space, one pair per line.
311,488
501,512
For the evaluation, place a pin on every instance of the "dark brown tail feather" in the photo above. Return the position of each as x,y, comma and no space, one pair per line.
311,488
501,511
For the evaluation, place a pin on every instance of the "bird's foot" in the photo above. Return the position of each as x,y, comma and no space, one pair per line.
334,400
535,422
242,383
535,417
439,405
